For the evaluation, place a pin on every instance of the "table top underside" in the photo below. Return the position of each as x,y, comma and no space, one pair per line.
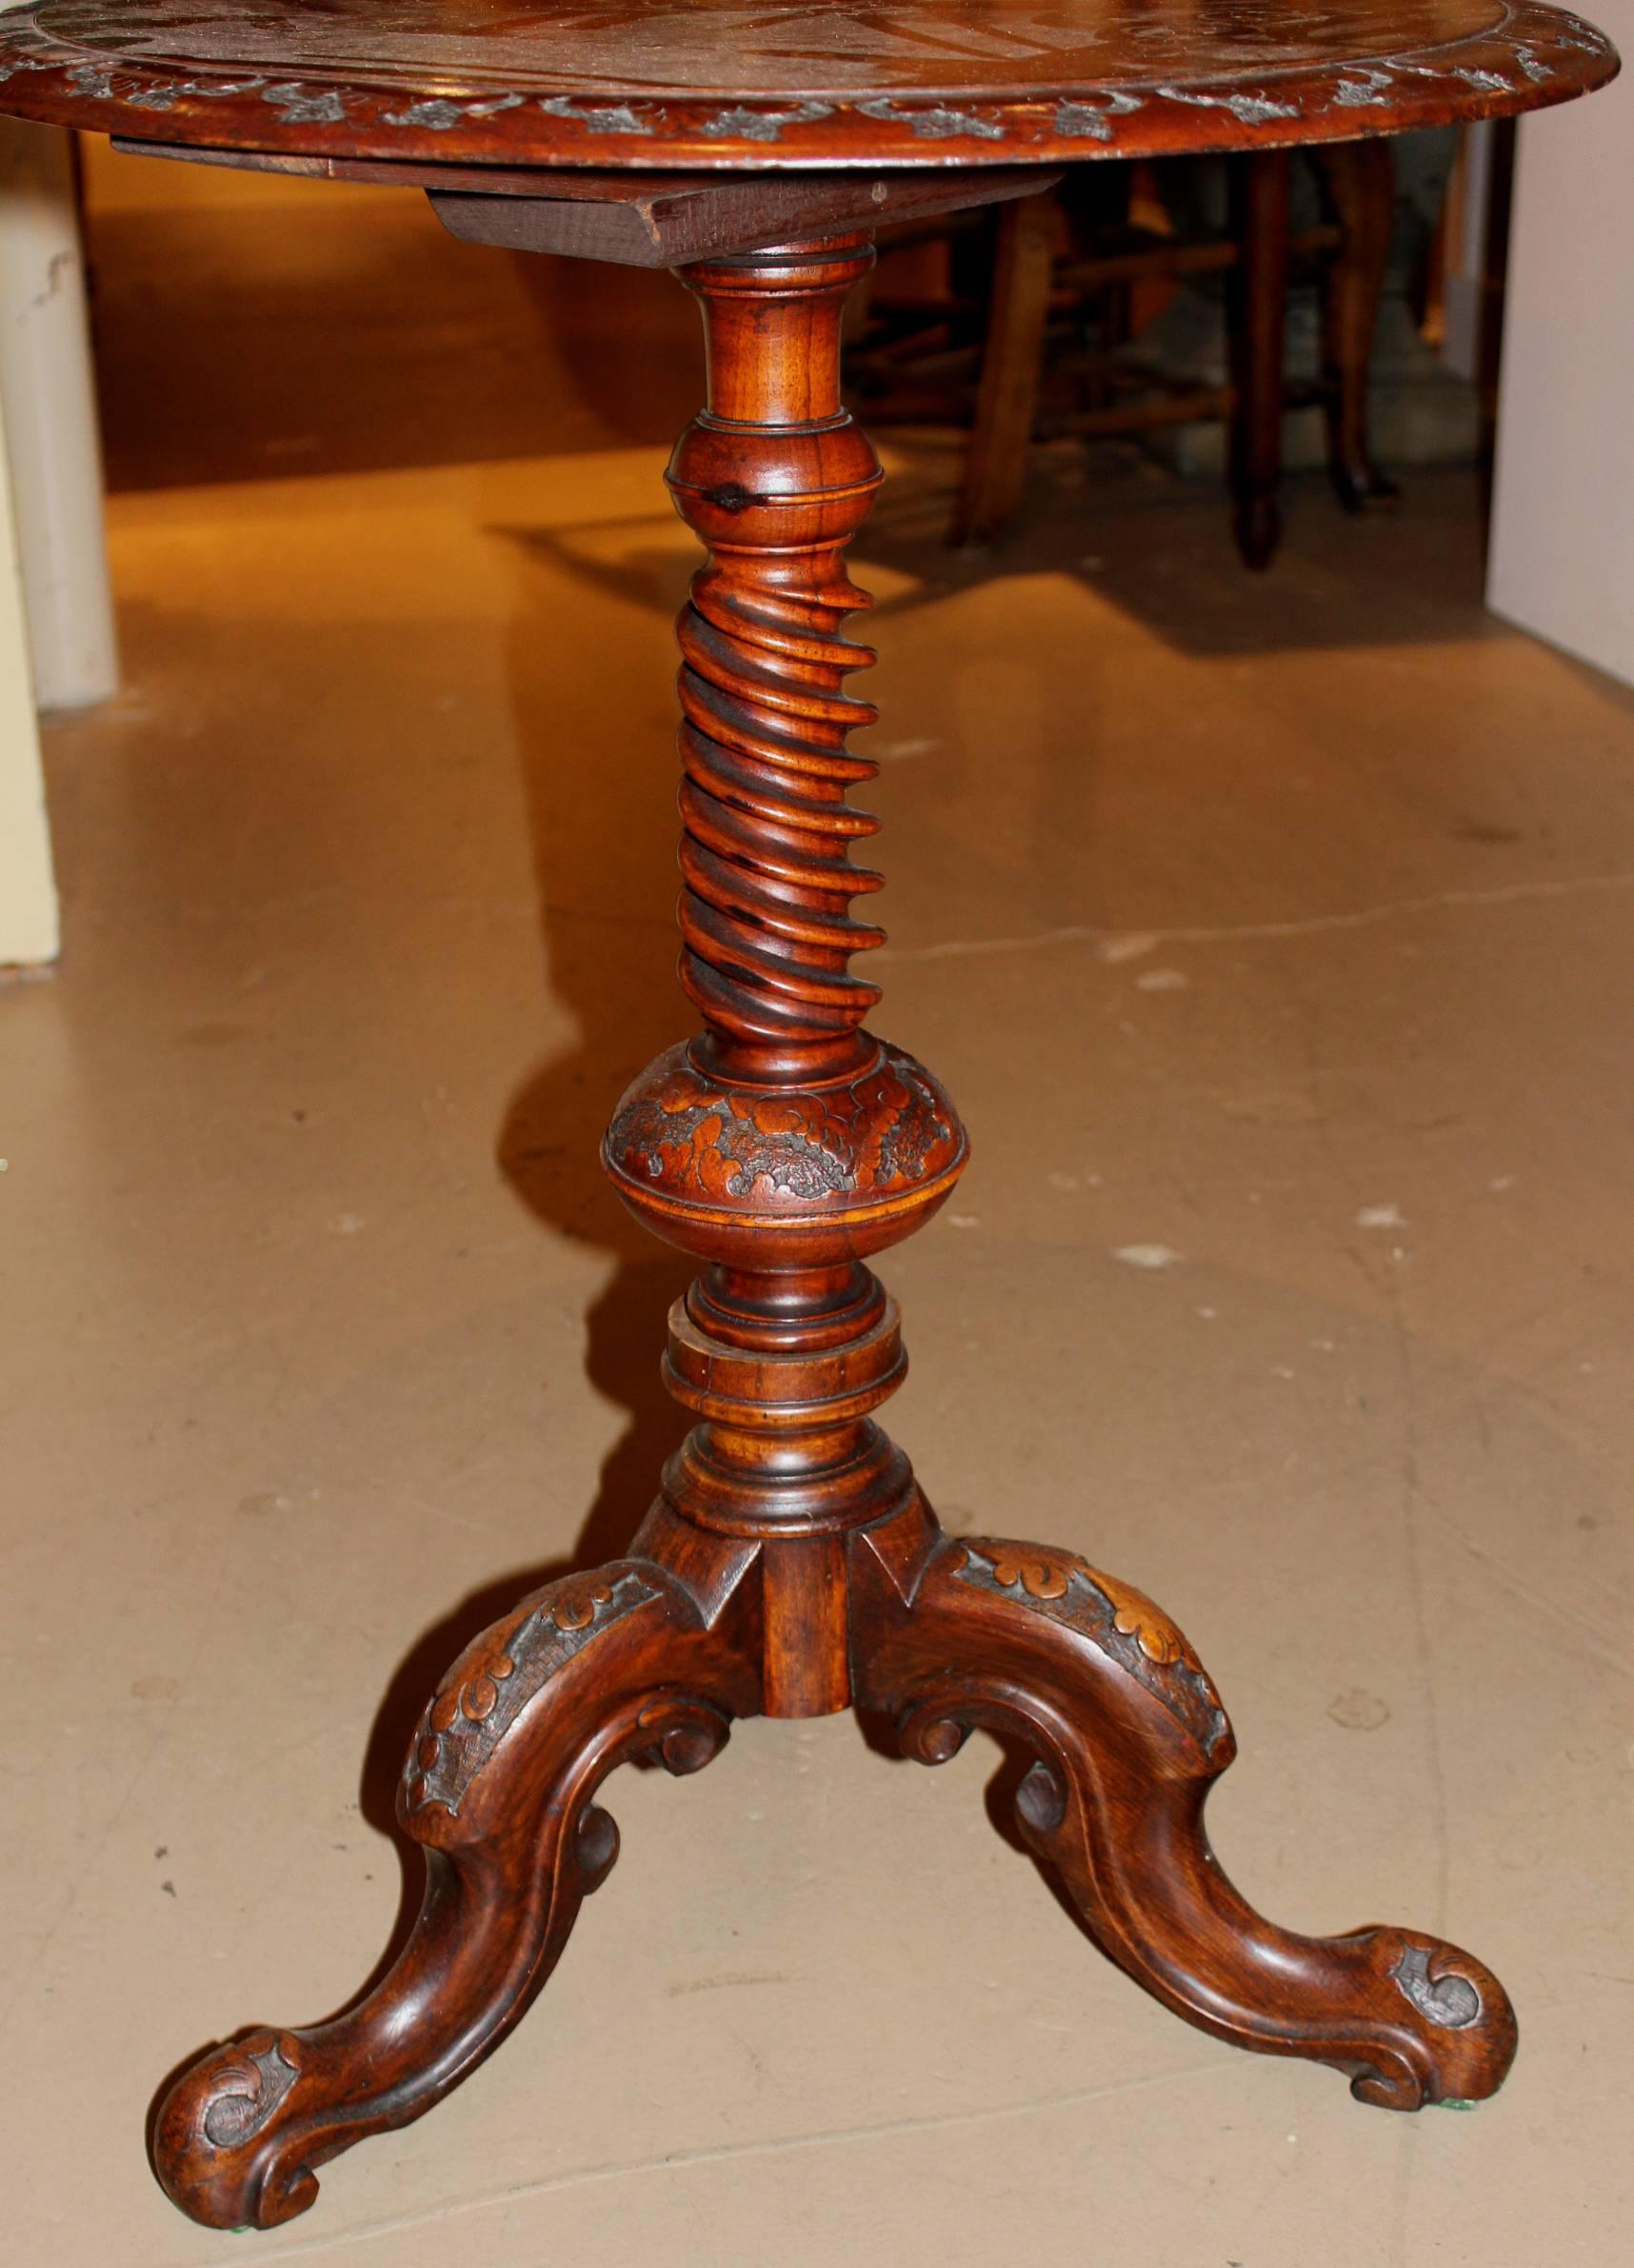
732,86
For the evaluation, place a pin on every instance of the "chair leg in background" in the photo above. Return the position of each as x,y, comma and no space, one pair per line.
1258,302
997,460
1359,179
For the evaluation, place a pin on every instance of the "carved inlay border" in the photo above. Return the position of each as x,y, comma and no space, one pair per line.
1116,1618
495,1678
443,98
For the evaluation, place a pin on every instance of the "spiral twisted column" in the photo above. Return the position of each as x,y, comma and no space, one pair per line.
784,1143
776,479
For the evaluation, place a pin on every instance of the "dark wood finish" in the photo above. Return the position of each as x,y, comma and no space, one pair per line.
635,219
1129,1735
500,1794
1257,299
718,85
710,219
790,1565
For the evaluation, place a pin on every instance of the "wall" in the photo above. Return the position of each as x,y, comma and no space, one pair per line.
1561,561
49,399
28,898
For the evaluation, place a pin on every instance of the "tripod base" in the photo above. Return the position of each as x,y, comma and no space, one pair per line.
790,1567
944,1635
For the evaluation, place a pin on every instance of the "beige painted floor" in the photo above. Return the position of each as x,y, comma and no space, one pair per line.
1284,925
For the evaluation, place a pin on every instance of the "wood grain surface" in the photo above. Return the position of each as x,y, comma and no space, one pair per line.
724,84
789,1566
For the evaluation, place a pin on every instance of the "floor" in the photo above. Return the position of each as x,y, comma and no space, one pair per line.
1275,936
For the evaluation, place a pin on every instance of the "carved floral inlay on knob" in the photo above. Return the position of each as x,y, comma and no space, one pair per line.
683,1135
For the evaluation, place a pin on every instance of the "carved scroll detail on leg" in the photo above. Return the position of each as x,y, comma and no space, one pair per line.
533,1716
249,2088
1121,1621
499,1674
1114,1802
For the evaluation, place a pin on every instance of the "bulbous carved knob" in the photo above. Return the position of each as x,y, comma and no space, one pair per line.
835,1171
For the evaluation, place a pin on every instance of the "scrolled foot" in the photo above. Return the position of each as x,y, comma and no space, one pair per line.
212,2118
498,1789
1128,1737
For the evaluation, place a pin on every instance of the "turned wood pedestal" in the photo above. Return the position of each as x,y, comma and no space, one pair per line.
789,1566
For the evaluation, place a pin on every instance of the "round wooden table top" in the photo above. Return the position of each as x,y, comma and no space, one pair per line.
735,85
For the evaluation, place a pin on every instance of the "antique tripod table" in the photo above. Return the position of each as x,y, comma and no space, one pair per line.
789,1566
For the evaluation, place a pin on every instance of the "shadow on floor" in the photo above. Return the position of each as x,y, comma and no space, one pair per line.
1130,532
344,332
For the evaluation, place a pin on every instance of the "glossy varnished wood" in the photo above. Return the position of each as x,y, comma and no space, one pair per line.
790,1565
727,84
1127,1735
500,1794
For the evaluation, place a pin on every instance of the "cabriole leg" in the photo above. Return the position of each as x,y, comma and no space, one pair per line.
499,1791
1128,1736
